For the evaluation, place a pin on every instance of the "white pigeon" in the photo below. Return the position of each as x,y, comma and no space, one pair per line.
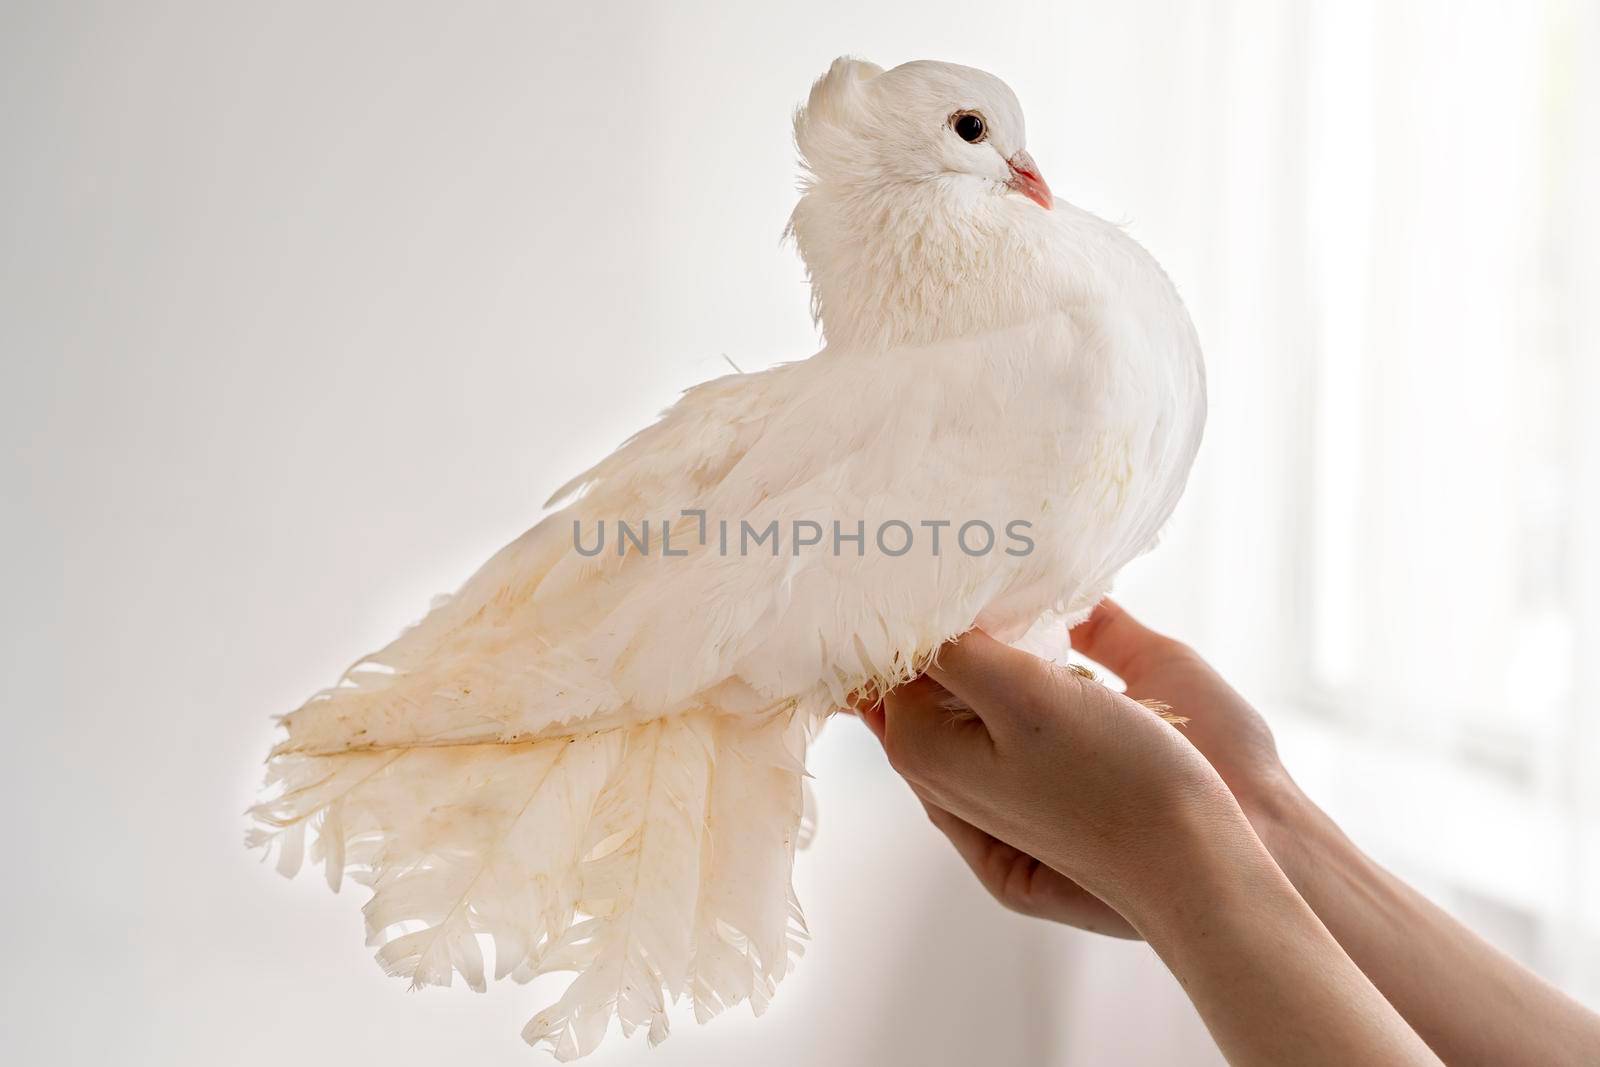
594,757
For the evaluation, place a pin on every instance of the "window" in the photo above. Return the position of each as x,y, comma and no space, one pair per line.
1396,505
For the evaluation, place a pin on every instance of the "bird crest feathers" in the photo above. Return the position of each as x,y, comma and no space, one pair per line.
836,101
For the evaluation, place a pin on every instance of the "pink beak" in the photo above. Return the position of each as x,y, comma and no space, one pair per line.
1025,179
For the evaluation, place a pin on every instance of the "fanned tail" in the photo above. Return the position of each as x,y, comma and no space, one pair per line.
653,860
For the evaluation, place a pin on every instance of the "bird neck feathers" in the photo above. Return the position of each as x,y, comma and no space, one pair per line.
913,263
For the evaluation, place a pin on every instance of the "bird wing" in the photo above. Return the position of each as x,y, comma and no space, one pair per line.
544,637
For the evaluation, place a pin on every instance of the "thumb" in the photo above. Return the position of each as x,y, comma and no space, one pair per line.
1120,643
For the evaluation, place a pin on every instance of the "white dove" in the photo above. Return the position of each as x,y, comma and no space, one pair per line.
595,757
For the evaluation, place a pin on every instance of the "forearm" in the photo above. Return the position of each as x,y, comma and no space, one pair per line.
1471,1003
1271,983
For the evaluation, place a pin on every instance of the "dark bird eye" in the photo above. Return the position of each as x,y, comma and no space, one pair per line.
969,126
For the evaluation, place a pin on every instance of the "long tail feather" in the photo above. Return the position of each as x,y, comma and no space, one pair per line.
653,860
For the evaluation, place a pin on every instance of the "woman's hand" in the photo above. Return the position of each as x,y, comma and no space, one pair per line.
1062,794
1018,881
1074,803
1218,722
1059,792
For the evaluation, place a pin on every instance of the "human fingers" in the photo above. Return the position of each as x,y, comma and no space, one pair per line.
926,738
1023,884
1010,690
1123,645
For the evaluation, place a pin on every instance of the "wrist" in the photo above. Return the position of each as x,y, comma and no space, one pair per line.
1192,853
1302,840
1218,882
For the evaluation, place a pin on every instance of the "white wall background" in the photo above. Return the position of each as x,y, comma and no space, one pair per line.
305,307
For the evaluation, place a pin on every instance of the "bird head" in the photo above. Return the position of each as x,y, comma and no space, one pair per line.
868,129
921,216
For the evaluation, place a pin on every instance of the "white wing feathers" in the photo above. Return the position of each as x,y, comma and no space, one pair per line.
693,445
